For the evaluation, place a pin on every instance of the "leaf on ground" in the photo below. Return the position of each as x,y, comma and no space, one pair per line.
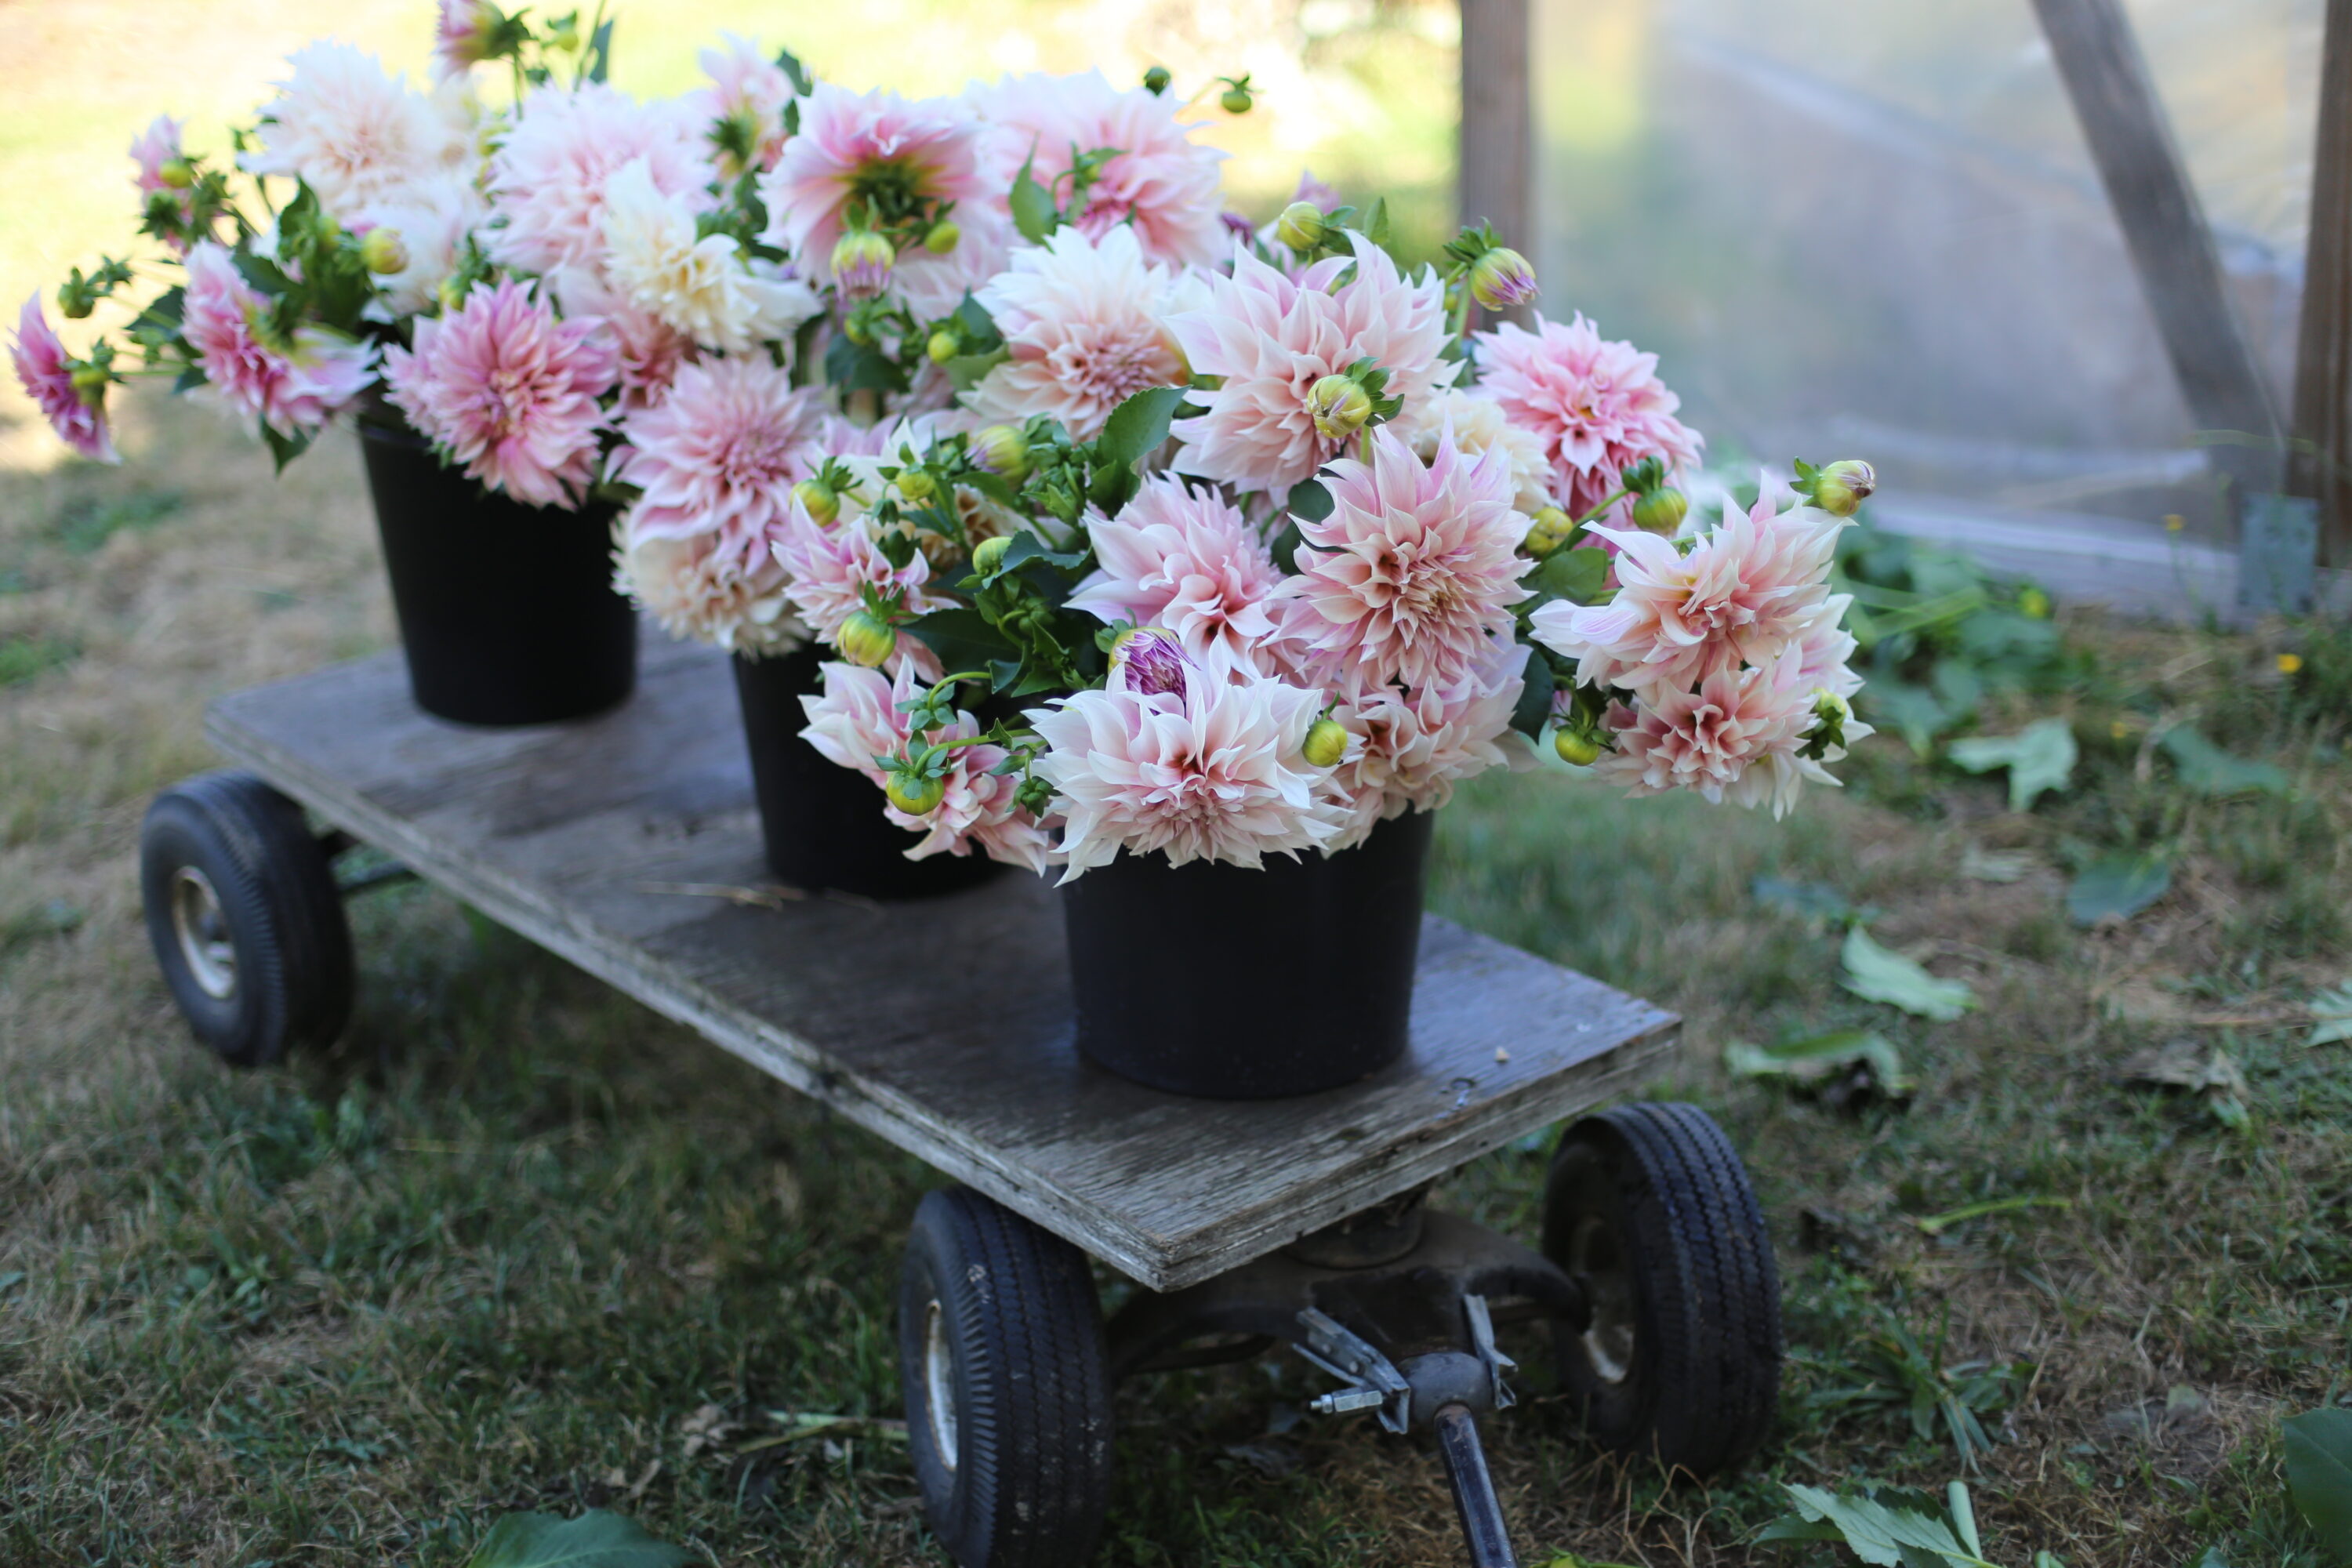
2319,1475
1836,1055
2206,769
596,1539
1807,900
1875,975
2117,888
1981,864
2039,757
2331,1016
1879,1530
2186,1063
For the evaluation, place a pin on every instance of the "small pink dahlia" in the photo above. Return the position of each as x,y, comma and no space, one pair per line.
509,393
1082,320
1271,339
1412,747
1744,593
47,376
1598,406
1413,574
720,455
157,145
750,89
291,386
1735,739
831,568
1185,560
463,35
548,179
873,147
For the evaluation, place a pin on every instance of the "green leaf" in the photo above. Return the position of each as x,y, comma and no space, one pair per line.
2205,769
2039,757
963,638
1534,709
2331,1016
1884,1534
1576,573
1026,546
284,450
2116,888
596,1539
965,371
1911,709
2319,1475
1310,501
1806,1061
598,56
1137,425
1285,548
861,367
796,72
1876,975
1032,206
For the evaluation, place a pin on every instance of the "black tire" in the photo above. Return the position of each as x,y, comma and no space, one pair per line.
246,918
1015,1459
1650,1208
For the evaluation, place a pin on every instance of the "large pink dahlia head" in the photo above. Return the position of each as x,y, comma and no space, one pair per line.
1408,748
549,180
719,455
872,147
1184,559
1084,323
293,385
1740,738
1597,406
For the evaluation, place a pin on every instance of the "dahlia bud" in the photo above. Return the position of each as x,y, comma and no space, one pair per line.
75,303
816,498
1830,708
862,261
89,383
1661,511
864,640
1842,488
1502,278
1548,531
2033,604
1327,743
1575,747
563,35
383,251
1004,451
988,556
1301,225
177,173
917,486
1237,100
916,796
943,346
942,237
1341,405
1146,661
1155,80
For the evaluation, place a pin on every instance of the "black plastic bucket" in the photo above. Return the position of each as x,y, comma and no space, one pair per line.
507,611
1218,980
823,823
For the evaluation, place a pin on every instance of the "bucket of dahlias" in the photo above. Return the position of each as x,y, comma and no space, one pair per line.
1212,651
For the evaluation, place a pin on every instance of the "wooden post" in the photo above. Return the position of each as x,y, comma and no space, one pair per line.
1497,148
2323,366
2164,225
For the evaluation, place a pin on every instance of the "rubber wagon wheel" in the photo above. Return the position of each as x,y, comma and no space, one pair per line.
246,918
1007,1386
1650,1209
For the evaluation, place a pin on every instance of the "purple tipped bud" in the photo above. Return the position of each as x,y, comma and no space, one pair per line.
1002,450
862,262
1340,406
1501,279
1148,661
1842,488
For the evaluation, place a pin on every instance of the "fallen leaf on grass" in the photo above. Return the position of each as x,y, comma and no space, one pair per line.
2331,1016
2039,757
1936,1224
1884,1526
1807,900
2205,769
707,1427
2117,888
1844,1067
1876,975
2185,1064
2319,1475
1981,865
596,1539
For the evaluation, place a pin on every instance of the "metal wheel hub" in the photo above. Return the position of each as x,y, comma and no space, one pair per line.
939,1383
1596,1259
202,932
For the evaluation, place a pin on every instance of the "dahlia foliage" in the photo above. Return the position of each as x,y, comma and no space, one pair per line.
1245,536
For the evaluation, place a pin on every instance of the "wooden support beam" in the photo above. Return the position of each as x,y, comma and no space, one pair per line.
2164,225
2323,366
1496,183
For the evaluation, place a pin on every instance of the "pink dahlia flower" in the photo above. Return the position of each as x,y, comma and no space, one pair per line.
157,145
509,393
831,568
291,386
750,88
1414,572
48,377
1598,406
1744,593
651,351
858,717
548,179
1272,339
463,34
701,591
856,146
1183,559
1082,320
350,132
1163,184
720,456
1477,424
1736,739
1409,749
1213,774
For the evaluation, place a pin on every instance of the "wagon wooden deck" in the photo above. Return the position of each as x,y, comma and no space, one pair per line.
629,844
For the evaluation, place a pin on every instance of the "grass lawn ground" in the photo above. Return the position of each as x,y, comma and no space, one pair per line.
517,1243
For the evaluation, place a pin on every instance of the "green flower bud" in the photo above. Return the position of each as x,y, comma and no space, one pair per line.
2033,604
563,37
1004,451
1548,531
383,251
864,640
1301,225
989,556
1327,743
1575,747
75,304
1236,100
177,173
917,485
1842,488
862,261
915,795
943,346
942,237
816,498
89,383
1155,80
1341,405
1661,511
1502,278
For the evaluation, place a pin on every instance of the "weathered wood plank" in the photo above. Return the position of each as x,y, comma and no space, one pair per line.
1496,181
2323,367
578,837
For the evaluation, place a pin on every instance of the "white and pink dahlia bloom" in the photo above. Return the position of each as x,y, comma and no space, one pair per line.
701,592
464,31
1744,591
651,351
857,718
752,89
509,393
1212,772
1412,574
350,132
1597,405
854,146
1736,739
699,286
1409,749
1477,424
1185,560
549,181
1083,322
291,386
1272,338
1163,184
719,455
832,568
43,368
